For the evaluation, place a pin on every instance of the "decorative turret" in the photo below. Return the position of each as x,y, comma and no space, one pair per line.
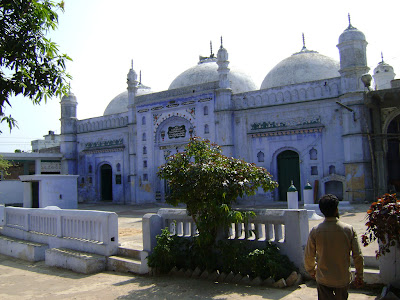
132,84
383,75
223,70
353,58
68,113
68,145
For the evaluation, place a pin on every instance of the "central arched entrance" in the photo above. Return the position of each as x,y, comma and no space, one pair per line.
288,170
106,182
393,155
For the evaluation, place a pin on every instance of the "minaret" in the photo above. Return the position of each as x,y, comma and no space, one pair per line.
132,89
357,160
68,145
132,139
223,105
223,70
383,75
353,58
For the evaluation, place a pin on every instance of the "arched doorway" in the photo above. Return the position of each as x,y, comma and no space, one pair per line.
393,155
288,170
106,182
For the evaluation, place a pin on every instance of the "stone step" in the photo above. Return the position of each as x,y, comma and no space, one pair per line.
127,264
30,251
127,252
371,275
371,262
77,261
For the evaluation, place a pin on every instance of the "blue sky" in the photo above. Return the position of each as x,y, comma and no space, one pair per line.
164,38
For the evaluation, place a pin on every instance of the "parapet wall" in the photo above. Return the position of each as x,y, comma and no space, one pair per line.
287,228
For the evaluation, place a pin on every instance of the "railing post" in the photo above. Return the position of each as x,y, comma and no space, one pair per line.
151,227
26,221
2,215
296,234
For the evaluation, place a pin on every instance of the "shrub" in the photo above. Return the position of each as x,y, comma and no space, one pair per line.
227,256
383,224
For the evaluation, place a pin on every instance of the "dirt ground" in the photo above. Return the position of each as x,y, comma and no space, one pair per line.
25,280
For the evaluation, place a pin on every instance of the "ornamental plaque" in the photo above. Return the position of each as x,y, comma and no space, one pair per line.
176,132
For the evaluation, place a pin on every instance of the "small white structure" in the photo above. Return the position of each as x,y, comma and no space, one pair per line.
293,197
308,194
50,190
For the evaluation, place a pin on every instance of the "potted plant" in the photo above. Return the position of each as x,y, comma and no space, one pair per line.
383,225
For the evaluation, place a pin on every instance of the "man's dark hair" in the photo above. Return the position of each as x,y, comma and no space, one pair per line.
328,204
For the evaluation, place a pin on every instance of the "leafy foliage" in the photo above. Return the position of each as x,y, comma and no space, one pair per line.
383,224
227,256
170,251
4,165
208,183
30,63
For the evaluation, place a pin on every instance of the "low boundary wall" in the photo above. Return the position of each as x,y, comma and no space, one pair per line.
87,231
287,228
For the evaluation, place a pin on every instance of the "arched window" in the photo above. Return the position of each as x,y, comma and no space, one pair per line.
143,120
260,156
332,169
144,150
145,177
206,129
90,169
145,164
313,154
205,110
144,137
118,167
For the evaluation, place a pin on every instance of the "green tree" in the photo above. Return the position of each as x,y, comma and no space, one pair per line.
4,165
209,183
30,63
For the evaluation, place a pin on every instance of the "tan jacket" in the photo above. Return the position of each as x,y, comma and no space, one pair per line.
327,254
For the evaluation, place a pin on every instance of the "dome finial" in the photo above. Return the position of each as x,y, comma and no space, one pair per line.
132,64
140,76
350,26
382,56
221,43
304,42
211,52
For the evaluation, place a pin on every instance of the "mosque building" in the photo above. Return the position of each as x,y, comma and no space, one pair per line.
309,122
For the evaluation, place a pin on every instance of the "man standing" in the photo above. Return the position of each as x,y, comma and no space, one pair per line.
328,250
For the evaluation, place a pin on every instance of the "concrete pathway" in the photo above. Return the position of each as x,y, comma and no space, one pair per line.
24,280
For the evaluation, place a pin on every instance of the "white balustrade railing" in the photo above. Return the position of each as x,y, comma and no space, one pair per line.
288,228
91,231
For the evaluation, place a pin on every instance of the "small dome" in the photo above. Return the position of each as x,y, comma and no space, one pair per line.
69,97
351,34
383,68
303,66
120,103
207,71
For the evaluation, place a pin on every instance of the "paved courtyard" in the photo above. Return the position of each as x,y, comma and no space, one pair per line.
24,280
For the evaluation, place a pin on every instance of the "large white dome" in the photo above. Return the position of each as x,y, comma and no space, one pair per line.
206,71
303,66
120,103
